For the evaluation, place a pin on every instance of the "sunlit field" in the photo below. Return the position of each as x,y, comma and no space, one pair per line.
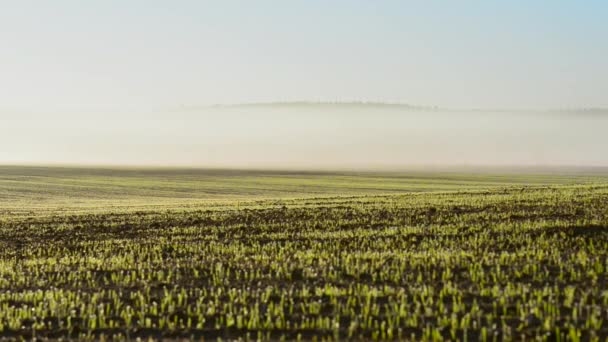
267,255
304,171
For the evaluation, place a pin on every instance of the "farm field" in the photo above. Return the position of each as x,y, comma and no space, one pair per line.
39,189
268,255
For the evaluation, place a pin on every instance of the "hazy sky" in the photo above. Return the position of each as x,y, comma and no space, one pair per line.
89,55
106,82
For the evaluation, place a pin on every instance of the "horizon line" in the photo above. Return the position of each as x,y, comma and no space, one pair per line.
361,103
318,168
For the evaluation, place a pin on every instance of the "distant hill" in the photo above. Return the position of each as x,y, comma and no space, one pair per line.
589,111
363,105
323,105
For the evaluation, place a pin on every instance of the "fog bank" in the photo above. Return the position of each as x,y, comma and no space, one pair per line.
307,136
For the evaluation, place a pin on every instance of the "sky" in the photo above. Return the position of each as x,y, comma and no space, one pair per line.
85,81
71,54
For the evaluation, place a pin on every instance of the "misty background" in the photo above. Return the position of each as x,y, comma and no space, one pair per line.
311,135
138,82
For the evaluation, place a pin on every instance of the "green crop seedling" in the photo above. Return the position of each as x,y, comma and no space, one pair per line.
506,262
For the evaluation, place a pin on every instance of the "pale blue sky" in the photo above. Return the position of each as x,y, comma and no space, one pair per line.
122,54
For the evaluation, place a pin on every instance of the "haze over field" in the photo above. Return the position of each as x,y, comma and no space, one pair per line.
134,83
305,136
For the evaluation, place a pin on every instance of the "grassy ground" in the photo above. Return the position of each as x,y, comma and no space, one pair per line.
43,188
192,254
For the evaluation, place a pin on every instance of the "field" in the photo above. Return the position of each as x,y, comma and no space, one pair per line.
267,255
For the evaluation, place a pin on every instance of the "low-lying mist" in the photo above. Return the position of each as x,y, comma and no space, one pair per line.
308,136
